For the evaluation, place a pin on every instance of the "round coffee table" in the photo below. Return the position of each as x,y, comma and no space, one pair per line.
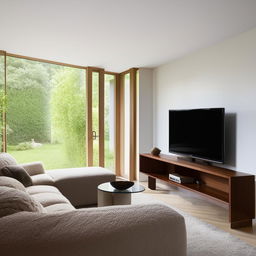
108,195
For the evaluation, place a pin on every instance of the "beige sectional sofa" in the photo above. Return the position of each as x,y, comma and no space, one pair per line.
79,185
43,221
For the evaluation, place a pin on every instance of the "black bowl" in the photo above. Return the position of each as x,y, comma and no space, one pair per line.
121,185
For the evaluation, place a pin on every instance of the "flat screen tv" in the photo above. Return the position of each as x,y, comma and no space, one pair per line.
197,133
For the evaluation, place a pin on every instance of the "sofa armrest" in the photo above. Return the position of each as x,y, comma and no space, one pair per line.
34,168
151,229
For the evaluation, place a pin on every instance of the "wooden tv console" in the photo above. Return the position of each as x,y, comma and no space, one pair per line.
235,189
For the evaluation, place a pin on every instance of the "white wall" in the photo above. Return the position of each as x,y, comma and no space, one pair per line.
145,116
223,75
145,102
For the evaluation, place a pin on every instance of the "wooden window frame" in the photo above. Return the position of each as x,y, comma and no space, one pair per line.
88,102
4,137
119,122
89,131
133,123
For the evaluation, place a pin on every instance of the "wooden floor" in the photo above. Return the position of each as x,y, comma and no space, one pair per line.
202,208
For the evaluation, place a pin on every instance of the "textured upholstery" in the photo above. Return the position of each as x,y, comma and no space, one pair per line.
79,185
11,183
110,231
33,168
17,172
6,159
50,197
60,207
14,201
47,199
42,179
36,189
60,229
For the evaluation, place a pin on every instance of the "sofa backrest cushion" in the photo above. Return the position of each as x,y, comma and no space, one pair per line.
17,172
14,201
33,168
11,183
6,159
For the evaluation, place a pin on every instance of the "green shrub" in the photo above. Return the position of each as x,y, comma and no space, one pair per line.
22,146
68,113
28,115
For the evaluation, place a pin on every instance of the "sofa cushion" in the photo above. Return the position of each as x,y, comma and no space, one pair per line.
37,189
11,183
115,230
14,200
6,159
42,179
79,185
33,168
50,198
18,173
59,207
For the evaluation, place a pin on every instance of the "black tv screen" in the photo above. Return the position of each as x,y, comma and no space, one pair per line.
197,133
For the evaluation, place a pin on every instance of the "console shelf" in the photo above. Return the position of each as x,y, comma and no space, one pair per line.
235,189
200,189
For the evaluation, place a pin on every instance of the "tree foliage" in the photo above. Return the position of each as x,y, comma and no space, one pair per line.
27,101
28,90
68,113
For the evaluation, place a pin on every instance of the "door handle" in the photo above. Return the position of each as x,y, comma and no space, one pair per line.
94,135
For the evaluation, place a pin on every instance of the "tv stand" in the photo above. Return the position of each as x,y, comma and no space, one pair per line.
234,189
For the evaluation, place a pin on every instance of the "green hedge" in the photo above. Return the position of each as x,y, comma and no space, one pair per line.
28,115
28,87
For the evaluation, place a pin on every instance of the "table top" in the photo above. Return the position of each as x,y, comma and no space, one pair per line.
106,187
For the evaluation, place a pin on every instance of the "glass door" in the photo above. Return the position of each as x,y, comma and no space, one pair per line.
95,117
63,115
109,120
128,124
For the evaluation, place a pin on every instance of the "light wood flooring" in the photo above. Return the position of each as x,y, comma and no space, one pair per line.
202,208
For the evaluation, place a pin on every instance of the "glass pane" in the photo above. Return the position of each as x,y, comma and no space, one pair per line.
109,119
46,113
126,125
95,117
2,97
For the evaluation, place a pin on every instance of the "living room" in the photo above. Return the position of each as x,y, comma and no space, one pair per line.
108,77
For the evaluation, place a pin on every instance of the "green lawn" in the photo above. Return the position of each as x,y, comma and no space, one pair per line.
52,156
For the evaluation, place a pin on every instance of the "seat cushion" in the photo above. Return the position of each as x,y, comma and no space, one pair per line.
14,201
59,207
11,183
79,185
50,198
37,189
42,179
18,173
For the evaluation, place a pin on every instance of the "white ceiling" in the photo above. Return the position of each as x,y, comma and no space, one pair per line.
119,34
